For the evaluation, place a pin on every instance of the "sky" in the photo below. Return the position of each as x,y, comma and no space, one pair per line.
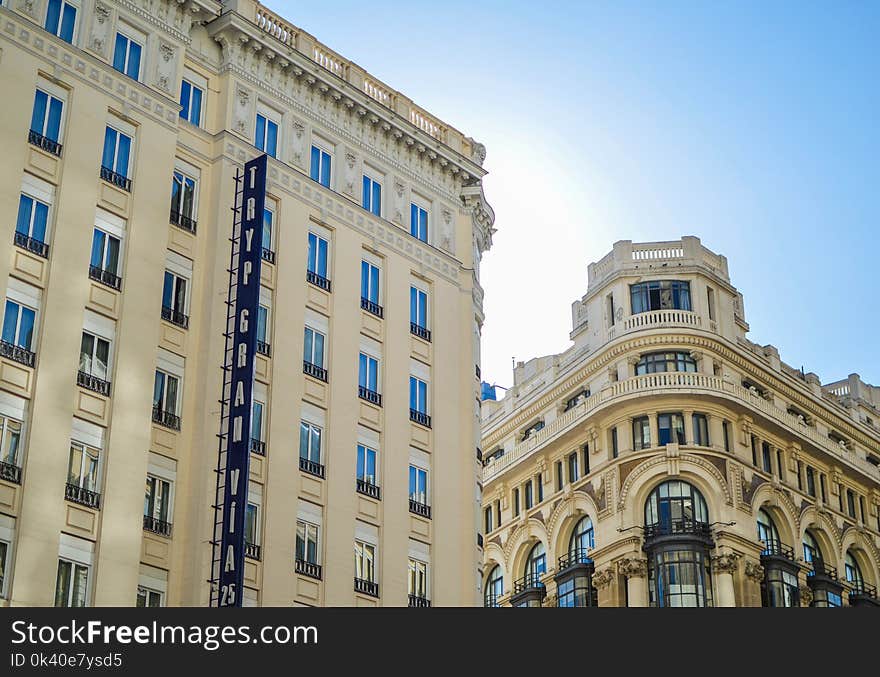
752,125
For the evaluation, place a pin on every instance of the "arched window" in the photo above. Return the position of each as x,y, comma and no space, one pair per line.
853,572
494,587
812,551
860,593
677,540
822,579
780,585
530,590
767,531
536,565
581,540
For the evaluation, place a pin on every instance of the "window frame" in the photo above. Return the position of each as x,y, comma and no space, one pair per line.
419,221
57,33
74,569
268,119
122,33
316,170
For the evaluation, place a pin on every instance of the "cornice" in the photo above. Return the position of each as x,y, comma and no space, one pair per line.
174,17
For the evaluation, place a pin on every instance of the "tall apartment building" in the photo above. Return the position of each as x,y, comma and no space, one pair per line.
124,125
666,460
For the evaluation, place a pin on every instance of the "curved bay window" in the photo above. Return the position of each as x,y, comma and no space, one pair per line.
494,587
821,578
677,540
860,593
574,585
780,585
652,363
660,295
529,590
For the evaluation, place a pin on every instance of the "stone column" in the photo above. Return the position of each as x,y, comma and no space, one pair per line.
607,593
716,432
636,572
754,576
655,430
723,568
688,415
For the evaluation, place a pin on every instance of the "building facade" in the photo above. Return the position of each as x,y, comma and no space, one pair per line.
666,460
124,126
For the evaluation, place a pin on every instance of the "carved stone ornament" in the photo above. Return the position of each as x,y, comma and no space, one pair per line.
726,563
806,595
102,13
446,233
167,51
350,160
27,6
603,578
632,567
754,571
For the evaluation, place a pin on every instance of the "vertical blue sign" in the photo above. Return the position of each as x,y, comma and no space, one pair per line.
244,344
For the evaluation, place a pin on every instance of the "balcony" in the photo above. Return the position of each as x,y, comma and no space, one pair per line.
314,371
268,255
370,396
183,222
318,280
309,569
311,467
418,601
420,331
677,530
492,601
93,383
116,179
166,419
17,354
863,594
528,591
253,551
27,243
10,472
419,417
575,559
366,587
821,570
175,317
105,277
776,551
370,307
368,489
419,508
258,447
45,143
264,348
157,526
77,494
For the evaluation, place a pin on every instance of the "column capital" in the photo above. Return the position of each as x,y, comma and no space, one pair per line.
726,563
604,578
754,571
632,567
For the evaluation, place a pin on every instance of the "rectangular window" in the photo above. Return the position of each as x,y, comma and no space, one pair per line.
780,465
174,297
560,479
840,497
641,433
61,19
365,561
822,487
262,324
127,56
191,102
82,467
586,467
754,450
165,393
850,503
252,524
418,579
105,252
146,597
310,442
418,484
725,429
369,282
527,492
610,300
418,307
418,395
266,135
183,199
800,482
862,515
71,584
572,468
94,356
257,421
18,325
4,551
317,257
10,442
306,542
33,218
701,430
539,483
372,196
670,429
368,373
766,460
117,152
614,450
313,347
320,166
46,116
516,501
811,481
488,516
157,499
660,295
710,302
418,222
268,222
366,465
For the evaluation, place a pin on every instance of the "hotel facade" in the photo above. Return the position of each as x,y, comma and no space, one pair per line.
125,124
666,460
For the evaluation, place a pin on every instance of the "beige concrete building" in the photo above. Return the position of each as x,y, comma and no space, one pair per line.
666,460
123,126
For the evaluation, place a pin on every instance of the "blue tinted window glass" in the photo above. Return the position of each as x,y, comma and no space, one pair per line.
122,155
68,21
41,216
374,284
365,277
25,209
97,248
412,393
377,199
38,118
168,291
185,91
53,16
109,148
260,135
316,164
196,115
365,200
272,137
319,349
325,169
313,253
322,257
26,328
414,220
53,124
119,52
10,321
262,322
362,370
134,60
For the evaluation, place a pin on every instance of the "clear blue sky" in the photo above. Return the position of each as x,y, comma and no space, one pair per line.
755,126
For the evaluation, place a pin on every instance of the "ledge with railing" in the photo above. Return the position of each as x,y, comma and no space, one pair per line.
268,255
77,494
419,508
528,583
370,396
420,417
311,467
31,244
366,587
318,280
182,221
93,383
367,488
253,551
10,472
818,569
44,143
17,353
314,371
309,569
116,179
264,348
157,526
372,308
420,331
861,592
166,419
677,528
774,549
105,277
258,446
175,317
419,601
579,557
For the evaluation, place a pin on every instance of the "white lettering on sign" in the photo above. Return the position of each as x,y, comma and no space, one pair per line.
253,177
243,320
239,394
248,238
251,209
236,429
230,560
242,355
246,273
232,517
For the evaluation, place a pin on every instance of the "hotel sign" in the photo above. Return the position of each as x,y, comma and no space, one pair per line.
245,305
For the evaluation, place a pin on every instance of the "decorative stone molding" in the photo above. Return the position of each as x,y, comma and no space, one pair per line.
298,144
632,567
754,571
806,595
242,110
482,215
27,7
165,67
726,563
604,578
447,233
349,173
685,460
100,27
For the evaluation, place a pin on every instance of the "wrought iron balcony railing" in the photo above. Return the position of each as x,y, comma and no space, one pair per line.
419,508
370,396
157,526
83,496
420,331
419,601
366,587
10,472
309,569
318,280
182,221
527,583
264,348
370,307
315,371
822,570
32,245
258,446
368,489
775,548
419,417
268,255
166,419
311,467
175,317
253,551
116,179
576,557
17,353
44,142
93,383
679,527
862,589
105,277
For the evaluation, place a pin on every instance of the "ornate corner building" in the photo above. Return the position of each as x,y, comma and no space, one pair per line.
124,125
666,460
